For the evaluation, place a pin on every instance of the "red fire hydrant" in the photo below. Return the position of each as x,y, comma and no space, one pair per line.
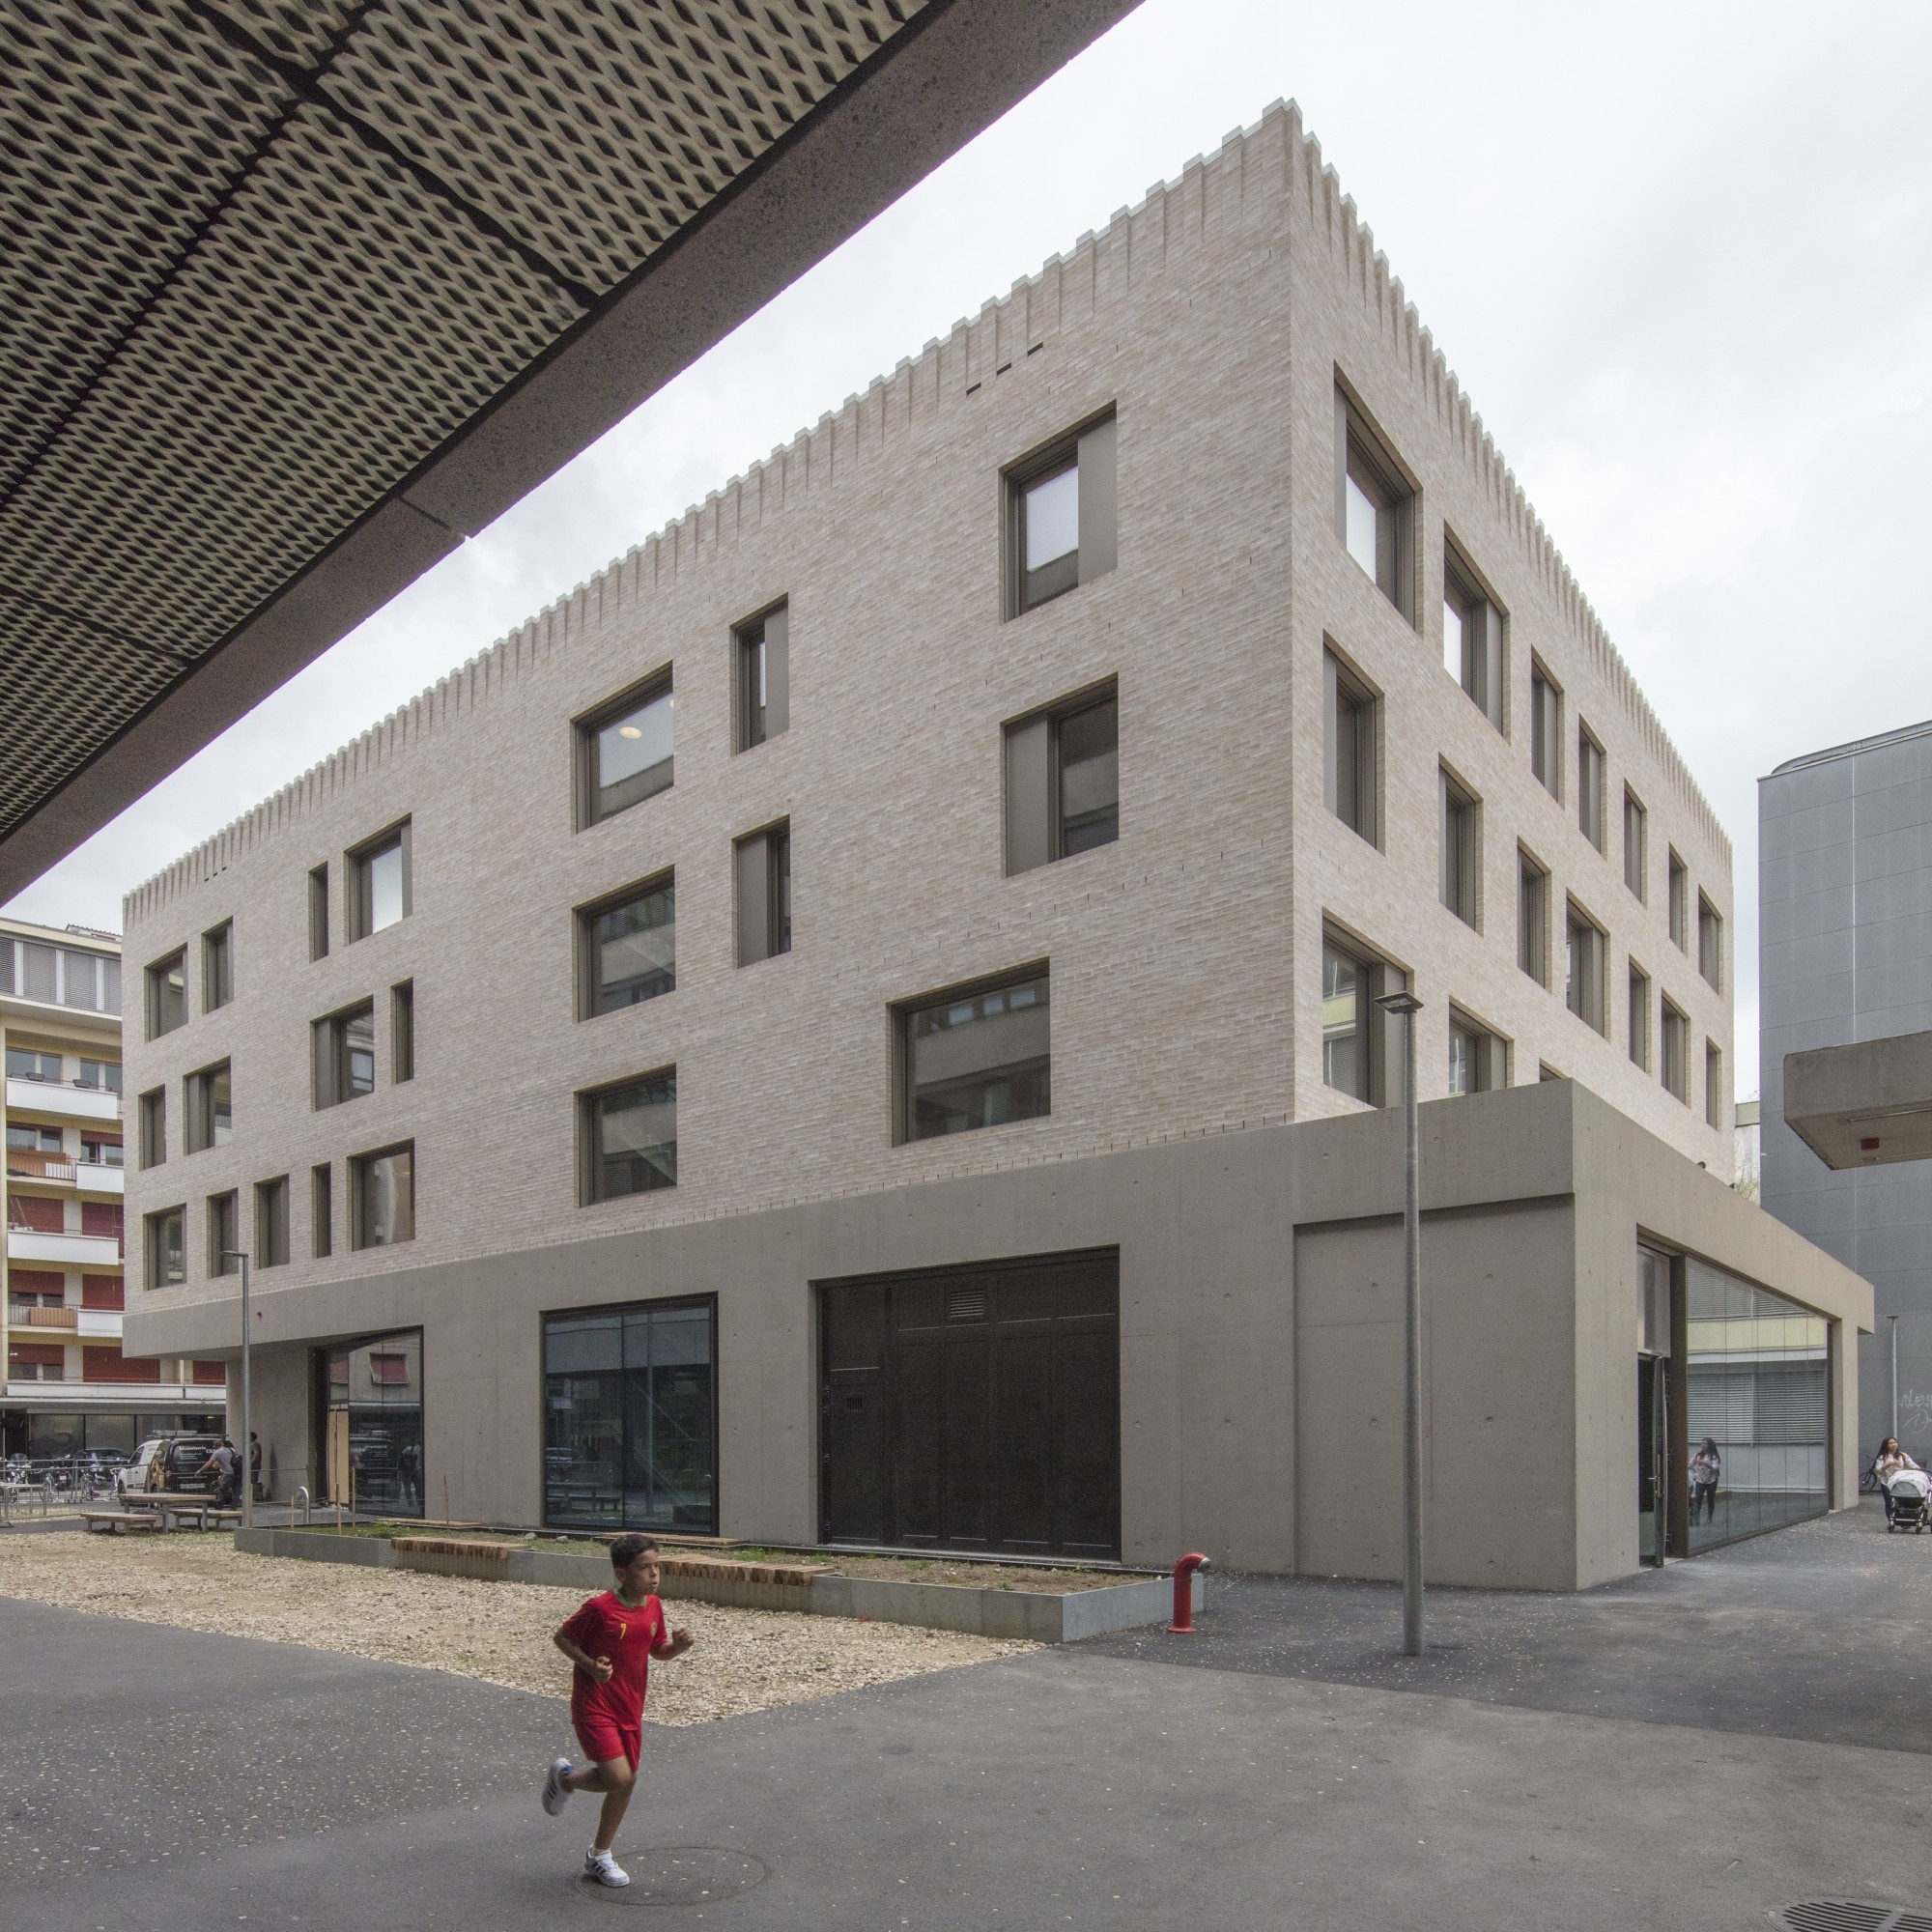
1183,1593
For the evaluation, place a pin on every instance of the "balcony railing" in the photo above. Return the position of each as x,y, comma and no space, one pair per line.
31,1315
57,1080
21,1165
35,1372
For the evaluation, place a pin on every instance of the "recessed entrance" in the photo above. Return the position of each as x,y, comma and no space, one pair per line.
974,1408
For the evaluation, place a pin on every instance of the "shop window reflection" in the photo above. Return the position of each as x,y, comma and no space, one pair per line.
373,1438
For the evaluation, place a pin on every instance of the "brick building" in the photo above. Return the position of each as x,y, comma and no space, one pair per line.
1066,741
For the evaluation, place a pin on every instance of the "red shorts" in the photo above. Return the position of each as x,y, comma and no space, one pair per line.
605,1742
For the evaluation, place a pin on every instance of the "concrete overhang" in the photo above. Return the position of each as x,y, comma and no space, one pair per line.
295,298
1864,1105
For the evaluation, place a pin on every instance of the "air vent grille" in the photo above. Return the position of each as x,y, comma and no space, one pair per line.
965,1304
1851,1915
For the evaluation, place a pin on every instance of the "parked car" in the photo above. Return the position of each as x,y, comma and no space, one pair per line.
170,1463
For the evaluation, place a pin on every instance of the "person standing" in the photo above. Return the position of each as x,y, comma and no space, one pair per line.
254,1467
612,1641
226,1466
1706,1468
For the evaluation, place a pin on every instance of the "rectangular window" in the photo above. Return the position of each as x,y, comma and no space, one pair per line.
1714,1085
631,1428
1462,832
1636,845
383,1196
1545,732
318,913
625,750
1710,941
95,1152
84,980
167,994
100,1076
1680,903
165,1247
1063,779
627,948
1676,1053
24,1063
403,1032
630,1137
1477,1058
1472,637
1583,977
1639,1016
1061,518
1375,506
762,650
1532,917
1590,787
980,1057
379,882
225,1234
761,878
1349,763
39,965
1350,1039
209,1111
153,1128
271,1222
322,1210
343,1047
217,966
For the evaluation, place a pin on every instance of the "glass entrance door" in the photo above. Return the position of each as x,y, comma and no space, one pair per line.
1653,1458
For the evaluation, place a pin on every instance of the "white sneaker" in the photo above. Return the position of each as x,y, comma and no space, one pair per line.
604,1869
557,1793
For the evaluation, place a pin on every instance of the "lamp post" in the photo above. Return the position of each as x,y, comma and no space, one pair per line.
247,1438
1408,1006
1892,1431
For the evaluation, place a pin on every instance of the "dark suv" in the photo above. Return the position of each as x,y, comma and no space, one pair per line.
171,1463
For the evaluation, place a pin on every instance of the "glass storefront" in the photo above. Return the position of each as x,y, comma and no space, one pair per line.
630,1418
1759,1404
373,1425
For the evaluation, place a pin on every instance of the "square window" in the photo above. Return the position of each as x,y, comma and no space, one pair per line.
630,1137
977,1057
1710,943
1350,766
383,1196
344,1055
1472,636
1462,850
761,880
1589,788
379,882
225,1234
625,750
1636,845
1532,917
1546,730
1061,517
1583,974
763,677
209,1111
1063,779
627,947
217,966
1375,506
165,1247
167,994
271,1222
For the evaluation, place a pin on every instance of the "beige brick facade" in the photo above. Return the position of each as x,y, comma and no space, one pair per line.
1185,957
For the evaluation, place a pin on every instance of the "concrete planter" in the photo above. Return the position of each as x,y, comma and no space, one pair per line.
1038,1615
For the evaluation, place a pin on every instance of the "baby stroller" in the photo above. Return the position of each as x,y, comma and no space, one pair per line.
1910,1494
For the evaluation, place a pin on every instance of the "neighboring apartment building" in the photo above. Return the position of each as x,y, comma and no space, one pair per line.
1845,945
69,1385
1067,742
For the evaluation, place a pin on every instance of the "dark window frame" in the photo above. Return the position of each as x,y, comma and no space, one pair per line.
1034,772
223,1214
1545,728
217,966
153,980
152,1127
329,1056
1638,1001
1460,858
661,684
1483,670
585,920
1377,1076
1637,852
317,912
198,1120
761,642
1366,457
761,889
902,1014
271,1222
402,1032
1351,747
1578,917
1710,943
590,1191
358,1165
1091,448
1489,1053
1593,766
1532,932
152,1271
357,861
322,1210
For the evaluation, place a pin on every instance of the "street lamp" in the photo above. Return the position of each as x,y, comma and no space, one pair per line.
247,1437
1408,1006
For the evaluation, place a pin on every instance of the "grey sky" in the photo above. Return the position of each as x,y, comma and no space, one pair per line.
1681,258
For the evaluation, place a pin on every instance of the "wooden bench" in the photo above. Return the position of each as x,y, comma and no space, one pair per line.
116,1521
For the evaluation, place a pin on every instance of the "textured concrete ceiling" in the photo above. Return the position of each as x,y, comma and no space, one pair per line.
297,294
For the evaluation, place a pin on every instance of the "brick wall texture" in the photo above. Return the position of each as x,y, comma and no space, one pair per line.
1215,319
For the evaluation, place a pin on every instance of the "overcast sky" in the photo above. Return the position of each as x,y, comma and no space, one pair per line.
1680,257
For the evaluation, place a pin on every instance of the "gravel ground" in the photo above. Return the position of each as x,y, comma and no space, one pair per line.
743,1660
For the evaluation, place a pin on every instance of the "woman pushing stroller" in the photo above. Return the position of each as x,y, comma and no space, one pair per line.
1903,1485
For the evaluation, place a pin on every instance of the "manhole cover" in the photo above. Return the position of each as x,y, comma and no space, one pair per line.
1851,1915
679,1875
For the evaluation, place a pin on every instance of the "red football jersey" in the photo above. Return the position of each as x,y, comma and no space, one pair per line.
608,1626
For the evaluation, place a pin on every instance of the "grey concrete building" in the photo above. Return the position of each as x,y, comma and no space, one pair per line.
858,1023
1845,891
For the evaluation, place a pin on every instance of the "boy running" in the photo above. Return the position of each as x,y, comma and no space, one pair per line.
612,1641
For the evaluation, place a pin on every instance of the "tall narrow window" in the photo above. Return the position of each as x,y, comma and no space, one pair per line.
1680,903
761,865
379,882
225,1234
1063,779
1639,1016
1373,506
1590,788
217,966
1061,518
403,1032
1348,749
1461,822
627,948
1350,1059
167,994
1472,637
1545,732
271,1222
318,913
1710,941
322,1211
344,1055
629,1136
165,1247
209,1111
625,753
153,1126
1714,1085
1476,1056
1584,992
1676,1068
1636,845
978,1057
763,677
383,1196
1532,917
